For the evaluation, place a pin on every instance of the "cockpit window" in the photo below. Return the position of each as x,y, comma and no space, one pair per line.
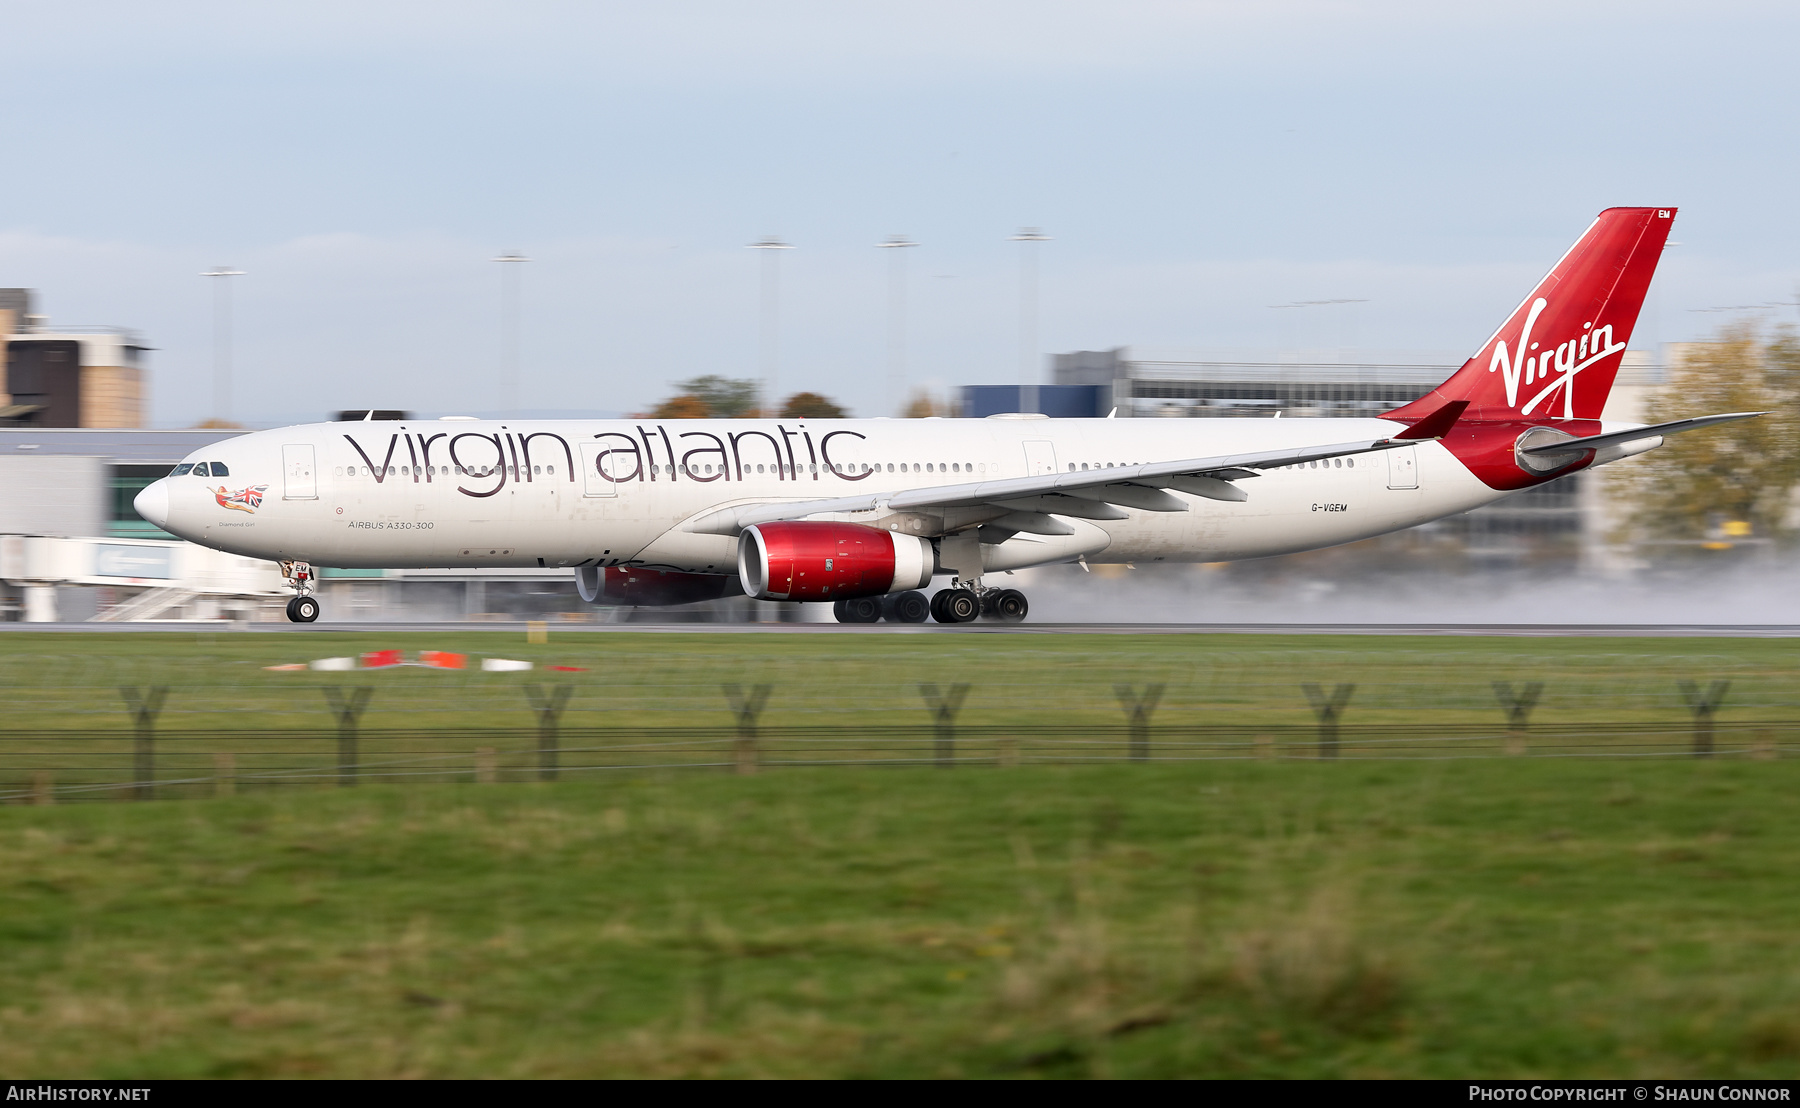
219,470
182,468
200,469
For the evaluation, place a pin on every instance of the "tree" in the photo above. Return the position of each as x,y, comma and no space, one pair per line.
923,405
810,405
1743,472
680,407
725,397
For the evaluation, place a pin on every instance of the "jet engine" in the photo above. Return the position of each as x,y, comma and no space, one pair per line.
650,587
830,561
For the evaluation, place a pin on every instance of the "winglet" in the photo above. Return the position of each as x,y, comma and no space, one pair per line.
1437,424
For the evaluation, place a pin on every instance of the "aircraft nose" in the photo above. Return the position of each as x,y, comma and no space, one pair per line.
153,502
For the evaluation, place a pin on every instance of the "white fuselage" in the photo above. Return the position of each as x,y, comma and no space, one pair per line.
468,493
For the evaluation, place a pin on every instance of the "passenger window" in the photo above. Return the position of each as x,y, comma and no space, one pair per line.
219,470
200,469
538,470
183,469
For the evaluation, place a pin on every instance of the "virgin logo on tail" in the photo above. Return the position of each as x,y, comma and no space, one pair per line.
1563,363
1556,333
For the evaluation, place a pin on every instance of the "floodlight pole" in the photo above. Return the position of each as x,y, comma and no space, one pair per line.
1028,316
896,246
771,322
222,340
509,329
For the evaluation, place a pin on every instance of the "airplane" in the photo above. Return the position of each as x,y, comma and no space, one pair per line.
865,514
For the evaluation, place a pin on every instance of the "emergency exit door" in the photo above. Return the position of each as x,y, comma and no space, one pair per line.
1403,467
1040,457
297,473
603,471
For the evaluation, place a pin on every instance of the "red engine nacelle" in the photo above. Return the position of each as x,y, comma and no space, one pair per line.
650,587
830,561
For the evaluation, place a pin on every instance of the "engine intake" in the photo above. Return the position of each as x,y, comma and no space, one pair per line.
830,561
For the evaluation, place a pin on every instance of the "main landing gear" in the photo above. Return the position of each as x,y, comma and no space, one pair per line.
962,602
303,608
967,601
901,607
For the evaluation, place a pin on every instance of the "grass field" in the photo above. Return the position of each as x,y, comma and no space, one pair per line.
1395,912
1508,917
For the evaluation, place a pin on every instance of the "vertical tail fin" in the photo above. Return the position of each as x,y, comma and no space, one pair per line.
1557,354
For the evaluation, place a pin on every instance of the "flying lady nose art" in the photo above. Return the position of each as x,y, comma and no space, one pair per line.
244,500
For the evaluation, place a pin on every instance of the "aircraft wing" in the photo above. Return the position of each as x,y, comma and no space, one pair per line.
1088,494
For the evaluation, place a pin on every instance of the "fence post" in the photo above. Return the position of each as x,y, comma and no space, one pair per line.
144,708
746,707
549,708
1703,705
347,708
1517,707
1138,708
943,707
1329,708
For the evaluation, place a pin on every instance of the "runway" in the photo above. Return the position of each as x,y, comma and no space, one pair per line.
1512,630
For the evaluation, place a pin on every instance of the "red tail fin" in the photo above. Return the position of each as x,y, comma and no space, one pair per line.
1557,355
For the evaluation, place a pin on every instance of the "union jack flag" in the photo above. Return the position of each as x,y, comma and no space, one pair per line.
243,500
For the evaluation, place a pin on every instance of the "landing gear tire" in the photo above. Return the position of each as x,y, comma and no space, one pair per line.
860,609
955,606
302,609
1008,606
906,607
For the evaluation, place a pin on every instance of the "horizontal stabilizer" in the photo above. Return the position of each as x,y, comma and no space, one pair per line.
1613,438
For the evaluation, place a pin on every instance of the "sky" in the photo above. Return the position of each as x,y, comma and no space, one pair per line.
1195,165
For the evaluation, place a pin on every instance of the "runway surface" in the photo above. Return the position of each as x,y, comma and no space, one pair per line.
1523,630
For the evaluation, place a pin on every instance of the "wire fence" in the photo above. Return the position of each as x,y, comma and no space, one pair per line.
193,719
144,761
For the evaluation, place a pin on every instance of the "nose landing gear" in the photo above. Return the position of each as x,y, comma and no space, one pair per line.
303,608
